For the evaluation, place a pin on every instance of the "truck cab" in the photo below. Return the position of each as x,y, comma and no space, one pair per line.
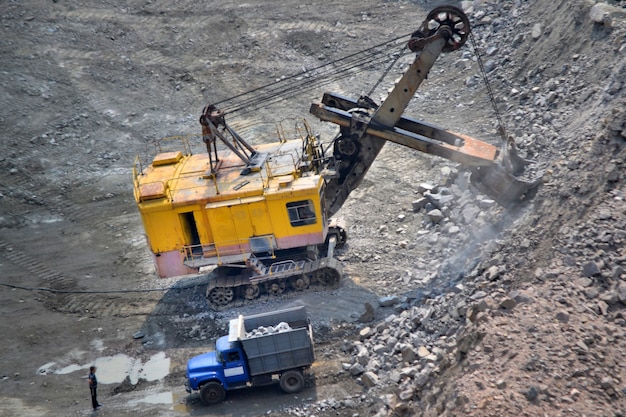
257,350
226,365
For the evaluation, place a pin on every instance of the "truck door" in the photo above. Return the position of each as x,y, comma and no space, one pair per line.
235,371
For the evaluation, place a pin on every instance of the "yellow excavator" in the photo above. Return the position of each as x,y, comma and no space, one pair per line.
258,220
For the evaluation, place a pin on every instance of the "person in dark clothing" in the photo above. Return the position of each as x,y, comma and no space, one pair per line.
93,386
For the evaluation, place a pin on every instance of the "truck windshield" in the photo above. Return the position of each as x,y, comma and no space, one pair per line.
218,356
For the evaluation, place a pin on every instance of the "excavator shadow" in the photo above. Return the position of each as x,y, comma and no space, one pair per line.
182,325
184,319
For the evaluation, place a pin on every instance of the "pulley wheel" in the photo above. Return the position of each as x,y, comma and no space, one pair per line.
346,147
451,21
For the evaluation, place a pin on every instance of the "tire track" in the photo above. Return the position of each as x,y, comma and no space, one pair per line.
52,199
40,277
103,305
25,262
93,304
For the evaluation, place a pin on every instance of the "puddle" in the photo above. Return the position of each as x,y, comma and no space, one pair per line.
160,398
180,404
115,369
97,345
71,368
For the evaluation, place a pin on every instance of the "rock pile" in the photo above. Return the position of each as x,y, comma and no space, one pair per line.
267,330
538,324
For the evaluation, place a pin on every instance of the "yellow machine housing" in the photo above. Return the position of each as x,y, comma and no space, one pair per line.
195,215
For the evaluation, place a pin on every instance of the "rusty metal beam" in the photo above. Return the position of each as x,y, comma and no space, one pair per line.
471,152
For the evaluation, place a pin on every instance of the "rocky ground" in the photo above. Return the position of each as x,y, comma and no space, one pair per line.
477,311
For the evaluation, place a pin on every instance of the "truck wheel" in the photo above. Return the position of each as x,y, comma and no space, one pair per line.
292,382
212,393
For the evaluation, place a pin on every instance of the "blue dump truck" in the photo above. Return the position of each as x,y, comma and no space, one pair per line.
258,348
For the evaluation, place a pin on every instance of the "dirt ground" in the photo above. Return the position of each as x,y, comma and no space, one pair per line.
86,88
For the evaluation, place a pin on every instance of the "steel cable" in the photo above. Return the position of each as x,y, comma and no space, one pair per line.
492,98
55,291
280,90
290,86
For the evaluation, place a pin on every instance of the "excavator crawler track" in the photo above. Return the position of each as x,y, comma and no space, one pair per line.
234,287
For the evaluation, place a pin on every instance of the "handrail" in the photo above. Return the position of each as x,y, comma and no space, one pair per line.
184,139
137,163
275,266
217,250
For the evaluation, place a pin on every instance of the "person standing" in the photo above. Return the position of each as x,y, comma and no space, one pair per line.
93,387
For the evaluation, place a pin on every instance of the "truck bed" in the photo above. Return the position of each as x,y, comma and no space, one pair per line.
274,352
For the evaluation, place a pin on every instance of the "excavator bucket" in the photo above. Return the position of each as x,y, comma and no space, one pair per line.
510,180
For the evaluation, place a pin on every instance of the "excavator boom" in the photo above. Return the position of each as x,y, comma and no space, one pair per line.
366,126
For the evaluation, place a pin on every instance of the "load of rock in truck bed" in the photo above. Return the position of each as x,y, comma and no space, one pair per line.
276,340
262,330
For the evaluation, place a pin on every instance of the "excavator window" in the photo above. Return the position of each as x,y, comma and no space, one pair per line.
301,213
